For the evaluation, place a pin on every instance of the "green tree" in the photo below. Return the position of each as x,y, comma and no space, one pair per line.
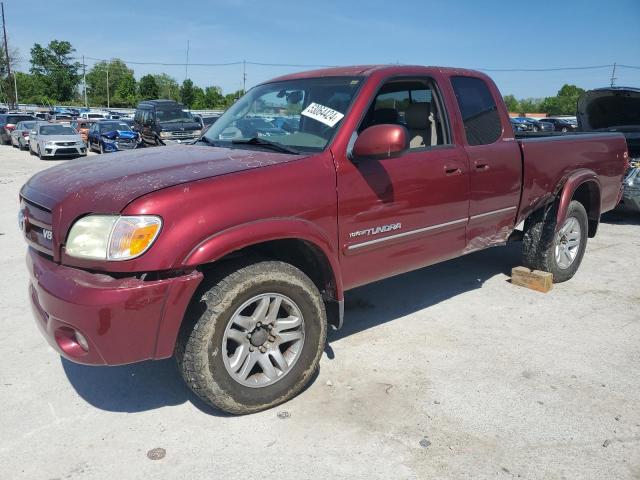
54,67
529,105
118,73
126,95
199,99
564,103
187,94
168,88
31,90
512,103
213,97
148,88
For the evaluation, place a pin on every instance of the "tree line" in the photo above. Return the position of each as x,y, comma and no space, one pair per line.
564,103
55,78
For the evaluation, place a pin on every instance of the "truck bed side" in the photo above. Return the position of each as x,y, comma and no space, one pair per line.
549,162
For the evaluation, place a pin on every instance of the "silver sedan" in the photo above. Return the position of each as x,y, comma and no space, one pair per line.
20,135
50,140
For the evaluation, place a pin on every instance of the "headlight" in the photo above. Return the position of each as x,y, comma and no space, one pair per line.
112,237
108,140
165,134
50,144
80,143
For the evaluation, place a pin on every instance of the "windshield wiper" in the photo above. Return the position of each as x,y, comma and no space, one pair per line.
207,141
267,144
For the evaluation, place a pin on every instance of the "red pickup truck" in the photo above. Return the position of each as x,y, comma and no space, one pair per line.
234,254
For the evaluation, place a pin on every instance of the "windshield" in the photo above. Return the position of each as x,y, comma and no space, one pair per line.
109,126
56,130
175,115
303,114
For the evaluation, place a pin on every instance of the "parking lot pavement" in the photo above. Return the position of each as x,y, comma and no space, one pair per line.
446,372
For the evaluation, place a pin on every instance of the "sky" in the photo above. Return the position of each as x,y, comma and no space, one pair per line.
465,33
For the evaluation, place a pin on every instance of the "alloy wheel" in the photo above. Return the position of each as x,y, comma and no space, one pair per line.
567,243
263,340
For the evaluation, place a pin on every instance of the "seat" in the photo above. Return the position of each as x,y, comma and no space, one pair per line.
380,116
421,125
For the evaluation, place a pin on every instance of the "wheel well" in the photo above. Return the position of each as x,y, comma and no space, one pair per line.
302,255
588,194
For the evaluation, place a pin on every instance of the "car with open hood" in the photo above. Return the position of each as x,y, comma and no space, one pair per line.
616,109
108,136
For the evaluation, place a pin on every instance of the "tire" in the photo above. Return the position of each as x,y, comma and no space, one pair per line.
202,350
558,253
101,149
31,152
38,153
564,129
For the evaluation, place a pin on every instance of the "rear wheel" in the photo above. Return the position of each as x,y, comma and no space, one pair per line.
561,252
253,338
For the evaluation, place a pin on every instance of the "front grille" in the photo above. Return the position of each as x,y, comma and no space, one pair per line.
126,144
66,151
65,144
181,135
36,226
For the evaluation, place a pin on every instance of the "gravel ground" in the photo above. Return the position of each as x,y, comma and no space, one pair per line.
446,372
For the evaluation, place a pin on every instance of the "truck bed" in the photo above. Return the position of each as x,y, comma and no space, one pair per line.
550,158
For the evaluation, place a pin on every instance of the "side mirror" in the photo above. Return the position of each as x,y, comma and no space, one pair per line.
380,142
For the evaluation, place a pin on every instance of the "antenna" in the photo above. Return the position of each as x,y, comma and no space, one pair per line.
186,66
244,76
613,75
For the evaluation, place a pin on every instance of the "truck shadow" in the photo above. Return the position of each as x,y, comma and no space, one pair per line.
154,384
138,387
621,216
386,300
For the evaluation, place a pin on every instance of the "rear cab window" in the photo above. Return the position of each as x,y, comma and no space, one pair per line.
479,111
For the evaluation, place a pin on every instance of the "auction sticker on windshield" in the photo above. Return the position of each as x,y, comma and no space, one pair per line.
323,114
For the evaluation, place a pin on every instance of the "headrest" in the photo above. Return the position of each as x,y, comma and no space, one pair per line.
417,116
385,115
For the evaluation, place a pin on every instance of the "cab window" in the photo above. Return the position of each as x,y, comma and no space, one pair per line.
414,104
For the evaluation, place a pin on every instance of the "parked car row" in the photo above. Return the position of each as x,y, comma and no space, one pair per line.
49,140
547,124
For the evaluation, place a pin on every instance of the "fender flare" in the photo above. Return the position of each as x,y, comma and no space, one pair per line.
569,187
245,235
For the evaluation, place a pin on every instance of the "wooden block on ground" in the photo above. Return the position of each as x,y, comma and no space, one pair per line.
536,280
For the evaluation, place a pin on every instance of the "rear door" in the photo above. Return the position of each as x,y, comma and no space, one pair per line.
495,163
401,213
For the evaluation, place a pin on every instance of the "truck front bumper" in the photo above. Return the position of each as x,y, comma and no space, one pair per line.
96,319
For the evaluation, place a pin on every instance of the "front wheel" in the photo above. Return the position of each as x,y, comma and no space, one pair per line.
253,338
561,252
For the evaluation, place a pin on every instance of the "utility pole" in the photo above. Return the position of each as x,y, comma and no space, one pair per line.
244,76
186,65
6,51
84,82
107,85
613,75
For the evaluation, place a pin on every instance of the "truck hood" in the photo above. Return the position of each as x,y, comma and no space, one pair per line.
106,184
615,109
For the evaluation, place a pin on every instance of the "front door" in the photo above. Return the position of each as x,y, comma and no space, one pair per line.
401,213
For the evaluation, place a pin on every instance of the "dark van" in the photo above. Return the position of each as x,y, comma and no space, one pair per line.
164,121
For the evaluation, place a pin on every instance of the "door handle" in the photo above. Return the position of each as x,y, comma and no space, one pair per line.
482,166
452,171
